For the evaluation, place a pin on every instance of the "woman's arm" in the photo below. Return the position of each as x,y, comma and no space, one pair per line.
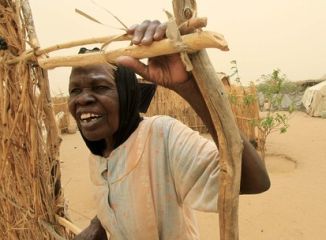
254,176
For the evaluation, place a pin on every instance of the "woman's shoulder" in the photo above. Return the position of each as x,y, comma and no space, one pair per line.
166,124
160,120
160,124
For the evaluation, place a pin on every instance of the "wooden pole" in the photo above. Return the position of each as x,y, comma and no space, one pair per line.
53,140
191,43
186,27
229,141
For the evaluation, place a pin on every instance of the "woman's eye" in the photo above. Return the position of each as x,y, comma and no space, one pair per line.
74,91
101,88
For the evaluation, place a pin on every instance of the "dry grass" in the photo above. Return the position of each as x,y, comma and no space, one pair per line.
30,191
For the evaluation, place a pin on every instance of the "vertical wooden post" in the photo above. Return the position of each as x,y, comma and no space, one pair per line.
229,140
53,138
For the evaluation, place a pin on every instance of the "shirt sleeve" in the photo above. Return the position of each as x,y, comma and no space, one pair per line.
194,164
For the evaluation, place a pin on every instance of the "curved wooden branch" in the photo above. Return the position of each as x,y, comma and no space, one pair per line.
191,43
186,27
230,144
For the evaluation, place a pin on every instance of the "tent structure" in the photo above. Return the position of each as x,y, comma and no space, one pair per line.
314,100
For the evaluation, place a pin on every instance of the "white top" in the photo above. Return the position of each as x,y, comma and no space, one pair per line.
147,187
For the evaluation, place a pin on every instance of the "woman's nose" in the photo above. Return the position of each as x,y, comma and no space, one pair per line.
85,98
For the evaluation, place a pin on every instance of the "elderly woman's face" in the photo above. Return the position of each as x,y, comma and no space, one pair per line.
94,101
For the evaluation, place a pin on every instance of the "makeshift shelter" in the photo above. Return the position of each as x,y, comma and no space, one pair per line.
31,197
314,100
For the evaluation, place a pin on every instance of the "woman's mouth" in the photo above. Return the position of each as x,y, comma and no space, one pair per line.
89,119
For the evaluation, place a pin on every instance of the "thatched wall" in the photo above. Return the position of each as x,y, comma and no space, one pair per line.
243,102
30,191
167,102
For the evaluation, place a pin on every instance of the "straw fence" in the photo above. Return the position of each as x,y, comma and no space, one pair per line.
30,189
243,101
244,104
167,102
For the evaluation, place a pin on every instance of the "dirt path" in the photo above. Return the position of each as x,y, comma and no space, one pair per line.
293,209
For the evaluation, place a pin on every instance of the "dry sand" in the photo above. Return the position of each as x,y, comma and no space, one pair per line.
293,209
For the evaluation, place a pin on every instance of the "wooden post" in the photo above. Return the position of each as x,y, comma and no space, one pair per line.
192,42
229,140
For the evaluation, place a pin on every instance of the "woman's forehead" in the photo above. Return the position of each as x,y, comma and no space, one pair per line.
93,71
106,68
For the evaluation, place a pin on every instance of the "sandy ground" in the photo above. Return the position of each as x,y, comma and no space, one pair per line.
293,209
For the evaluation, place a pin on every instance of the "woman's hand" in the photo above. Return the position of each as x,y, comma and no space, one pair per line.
94,231
167,70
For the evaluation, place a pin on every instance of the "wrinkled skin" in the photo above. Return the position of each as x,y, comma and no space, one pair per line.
94,102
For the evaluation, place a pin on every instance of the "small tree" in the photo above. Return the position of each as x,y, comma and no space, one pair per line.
274,86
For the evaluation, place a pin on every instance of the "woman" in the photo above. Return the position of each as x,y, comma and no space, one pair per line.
149,173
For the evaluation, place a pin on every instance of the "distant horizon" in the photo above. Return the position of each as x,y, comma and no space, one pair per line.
262,36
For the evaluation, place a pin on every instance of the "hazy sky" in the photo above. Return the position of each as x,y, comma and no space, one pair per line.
262,35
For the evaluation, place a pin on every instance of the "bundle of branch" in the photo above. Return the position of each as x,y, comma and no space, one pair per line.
30,191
